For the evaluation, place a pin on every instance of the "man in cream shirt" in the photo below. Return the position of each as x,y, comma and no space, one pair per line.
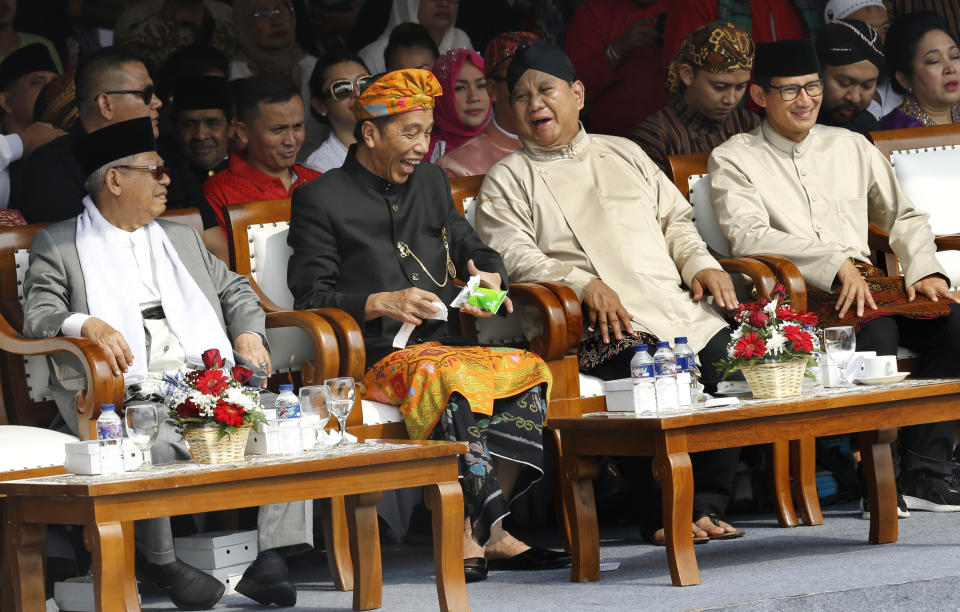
808,192
595,213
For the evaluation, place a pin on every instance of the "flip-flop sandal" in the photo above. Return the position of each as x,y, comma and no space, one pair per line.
651,537
739,533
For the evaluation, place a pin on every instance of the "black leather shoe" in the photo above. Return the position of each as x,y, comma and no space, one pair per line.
535,558
265,581
188,587
475,569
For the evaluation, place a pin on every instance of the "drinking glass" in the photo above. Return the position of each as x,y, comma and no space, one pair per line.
840,343
142,422
313,400
340,395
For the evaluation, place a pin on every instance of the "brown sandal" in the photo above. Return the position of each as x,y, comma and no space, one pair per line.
715,519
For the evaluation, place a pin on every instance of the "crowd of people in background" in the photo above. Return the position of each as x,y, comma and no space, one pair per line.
571,108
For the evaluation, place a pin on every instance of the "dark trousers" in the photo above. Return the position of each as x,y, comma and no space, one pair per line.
713,471
922,447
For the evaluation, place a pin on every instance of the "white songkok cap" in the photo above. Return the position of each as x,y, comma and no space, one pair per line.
839,9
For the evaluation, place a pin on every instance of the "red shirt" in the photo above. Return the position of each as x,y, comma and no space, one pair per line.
241,182
617,99
770,20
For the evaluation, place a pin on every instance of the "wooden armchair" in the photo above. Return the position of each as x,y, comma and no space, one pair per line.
691,178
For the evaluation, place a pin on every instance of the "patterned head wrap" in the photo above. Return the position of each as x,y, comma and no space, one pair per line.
57,103
397,92
718,47
501,48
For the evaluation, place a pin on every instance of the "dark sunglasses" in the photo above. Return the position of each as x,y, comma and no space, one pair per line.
157,171
343,88
146,94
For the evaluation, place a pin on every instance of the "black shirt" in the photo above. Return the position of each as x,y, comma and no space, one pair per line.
861,123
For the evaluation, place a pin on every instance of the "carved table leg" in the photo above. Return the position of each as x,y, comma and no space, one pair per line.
337,541
445,501
577,478
778,462
111,578
881,484
365,550
25,546
803,461
563,513
675,474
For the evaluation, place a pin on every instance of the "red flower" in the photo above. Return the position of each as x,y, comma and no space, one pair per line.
801,340
228,414
808,318
188,410
749,345
241,374
211,382
212,359
779,290
786,313
758,318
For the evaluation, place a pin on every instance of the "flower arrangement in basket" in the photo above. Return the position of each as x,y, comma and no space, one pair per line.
211,404
771,346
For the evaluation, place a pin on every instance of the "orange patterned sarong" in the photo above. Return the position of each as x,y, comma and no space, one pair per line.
421,378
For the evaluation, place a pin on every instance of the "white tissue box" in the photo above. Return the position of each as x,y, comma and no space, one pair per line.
75,594
217,549
229,576
83,457
619,395
264,442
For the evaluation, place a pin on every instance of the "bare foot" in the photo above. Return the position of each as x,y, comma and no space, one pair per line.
470,546
713,529
660,536
502,545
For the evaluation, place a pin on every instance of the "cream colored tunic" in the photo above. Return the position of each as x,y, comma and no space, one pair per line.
811,201
600,208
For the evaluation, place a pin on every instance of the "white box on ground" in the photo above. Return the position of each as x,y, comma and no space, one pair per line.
75,594
229,576
217,549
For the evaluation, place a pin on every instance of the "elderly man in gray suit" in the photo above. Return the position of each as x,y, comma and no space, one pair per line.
154,298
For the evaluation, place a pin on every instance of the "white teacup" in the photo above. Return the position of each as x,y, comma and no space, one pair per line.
880,366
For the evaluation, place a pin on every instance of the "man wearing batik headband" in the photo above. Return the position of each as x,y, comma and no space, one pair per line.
380,238
705,82
499,139
851,63
808,192
595,213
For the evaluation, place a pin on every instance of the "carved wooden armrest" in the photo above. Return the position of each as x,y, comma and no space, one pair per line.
326,360
948,243
353,353
102,386
789,276
571,310
552,343
759,274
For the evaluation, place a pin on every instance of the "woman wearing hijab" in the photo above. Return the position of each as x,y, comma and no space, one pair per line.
462,112
438,16
265,33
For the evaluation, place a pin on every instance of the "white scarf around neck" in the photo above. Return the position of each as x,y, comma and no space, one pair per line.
106,271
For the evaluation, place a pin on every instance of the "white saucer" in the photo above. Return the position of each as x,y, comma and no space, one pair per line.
732,387
882,380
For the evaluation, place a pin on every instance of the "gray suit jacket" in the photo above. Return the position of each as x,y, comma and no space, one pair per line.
54,289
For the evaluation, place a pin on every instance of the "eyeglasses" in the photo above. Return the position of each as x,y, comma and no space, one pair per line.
343,88
157,170
146,94
792,92
277,12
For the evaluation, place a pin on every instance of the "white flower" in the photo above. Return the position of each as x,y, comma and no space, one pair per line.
736,335
771,308
776,342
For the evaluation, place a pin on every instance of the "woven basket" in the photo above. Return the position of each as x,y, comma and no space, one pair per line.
775,379
205,447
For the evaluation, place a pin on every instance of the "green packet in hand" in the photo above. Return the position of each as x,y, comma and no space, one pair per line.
483,298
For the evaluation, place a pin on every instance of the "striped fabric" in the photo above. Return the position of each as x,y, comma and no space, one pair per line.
678,129
948,9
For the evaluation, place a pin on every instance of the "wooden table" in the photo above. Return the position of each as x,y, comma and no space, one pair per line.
873,412
108,505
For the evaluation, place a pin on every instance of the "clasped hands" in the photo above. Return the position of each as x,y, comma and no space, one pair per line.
605,312
120,357
413,305
854,290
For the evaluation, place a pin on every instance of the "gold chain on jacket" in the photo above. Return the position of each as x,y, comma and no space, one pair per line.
451,270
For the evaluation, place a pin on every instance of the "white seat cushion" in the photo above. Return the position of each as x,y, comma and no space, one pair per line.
703,215
31,447
375,413
269,256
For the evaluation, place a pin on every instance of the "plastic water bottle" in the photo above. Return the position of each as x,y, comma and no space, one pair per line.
665,365
110,435
686,372
643,374
817,370
288,421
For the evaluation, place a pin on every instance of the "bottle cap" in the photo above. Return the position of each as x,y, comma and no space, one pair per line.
286,388
107,407
680,340
641,347
663,345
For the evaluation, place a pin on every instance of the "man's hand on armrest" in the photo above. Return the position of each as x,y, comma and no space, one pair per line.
250,345
605,311
718,283
853,289
119,355
933,287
